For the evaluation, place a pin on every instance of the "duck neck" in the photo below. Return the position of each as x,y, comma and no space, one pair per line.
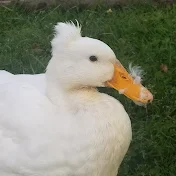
59,95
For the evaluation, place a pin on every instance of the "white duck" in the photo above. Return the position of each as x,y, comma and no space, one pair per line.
61,125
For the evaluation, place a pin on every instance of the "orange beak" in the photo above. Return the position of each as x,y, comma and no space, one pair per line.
125,84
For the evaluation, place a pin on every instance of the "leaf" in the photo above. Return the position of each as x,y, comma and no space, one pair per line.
109,11
164,68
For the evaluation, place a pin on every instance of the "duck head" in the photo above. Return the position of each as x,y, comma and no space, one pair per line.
79,62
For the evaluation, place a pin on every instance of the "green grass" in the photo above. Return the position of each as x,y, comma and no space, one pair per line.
143,35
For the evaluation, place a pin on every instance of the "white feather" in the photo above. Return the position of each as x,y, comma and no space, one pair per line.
121,91
66,32
136,72
140,104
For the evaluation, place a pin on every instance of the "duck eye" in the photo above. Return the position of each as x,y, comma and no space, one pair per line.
93,58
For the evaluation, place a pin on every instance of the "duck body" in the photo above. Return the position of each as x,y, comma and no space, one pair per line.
57,123
83,133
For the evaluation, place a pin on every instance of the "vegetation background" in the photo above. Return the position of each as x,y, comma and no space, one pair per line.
142,34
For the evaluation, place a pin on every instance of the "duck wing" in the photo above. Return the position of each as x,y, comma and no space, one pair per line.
25,125
37,80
